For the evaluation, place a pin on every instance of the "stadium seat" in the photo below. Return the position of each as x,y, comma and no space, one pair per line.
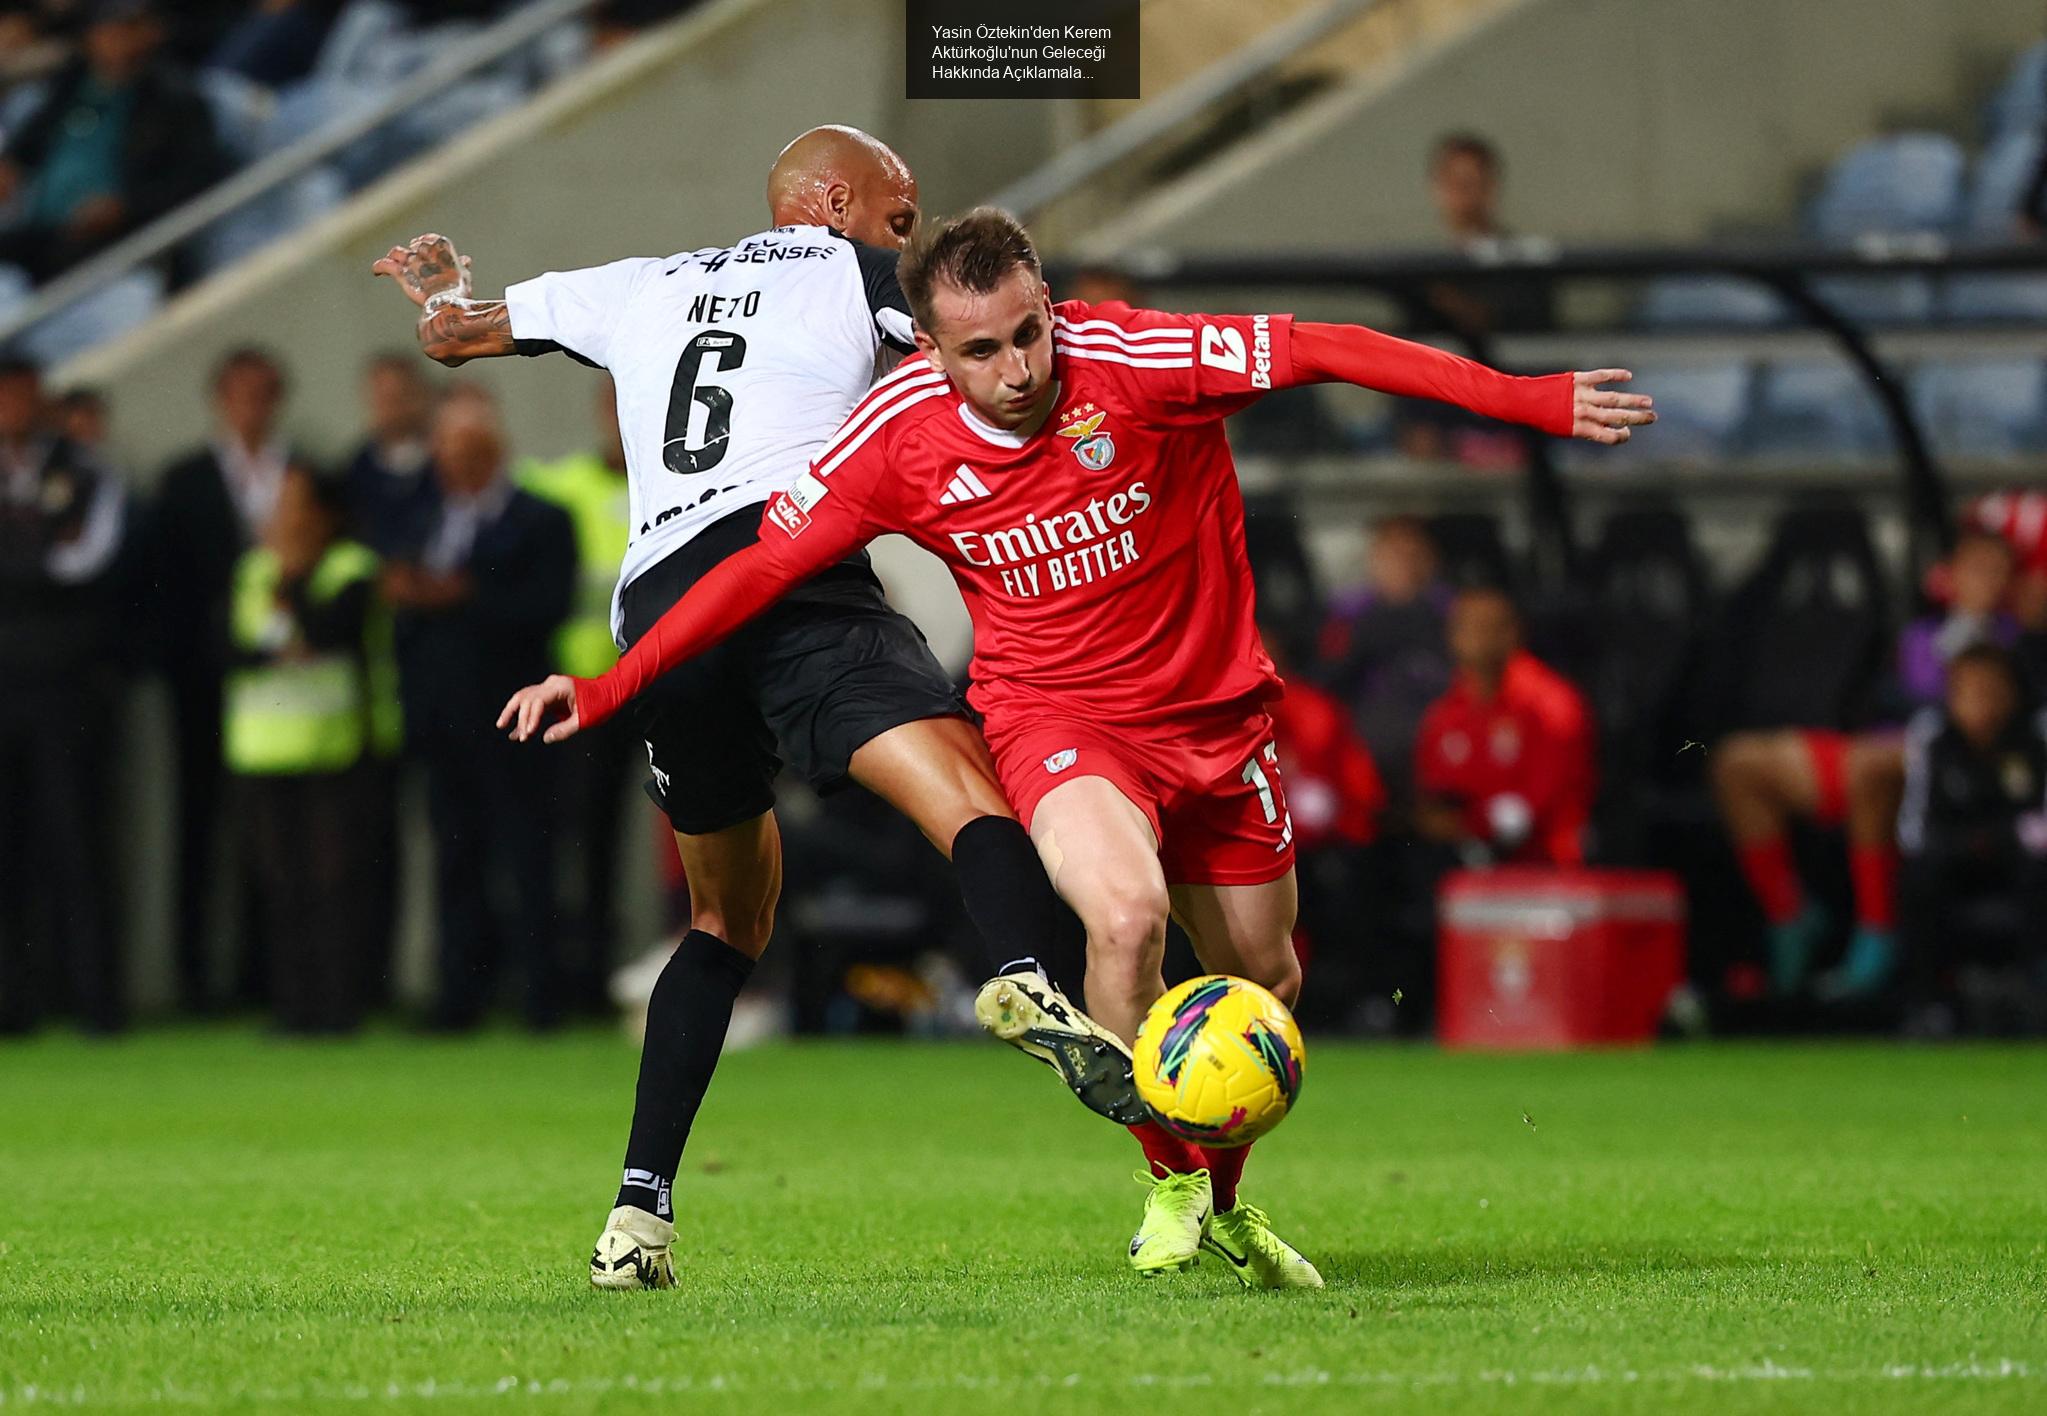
2020,103
1895,185
1701,411
1471,549
1651,608
1901,185
1803,638
1879,299
1652,598
1289,595
303,199
107,313
240,109
1691,300
1995,189
1983,407
1808,408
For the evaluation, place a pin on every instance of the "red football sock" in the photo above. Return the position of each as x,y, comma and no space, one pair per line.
1167,1153
1873,869
1771,875
1225,1168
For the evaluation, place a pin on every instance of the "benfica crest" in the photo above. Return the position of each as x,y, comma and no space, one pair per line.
1093,448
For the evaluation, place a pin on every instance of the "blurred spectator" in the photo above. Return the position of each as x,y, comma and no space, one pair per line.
272,42
82,418
1465,174
2021,519
209,509
598,769
1504,762
120,139
1976,582
1974,834
62,522
619,20
393,500
30,48
392,495
1765,780
304,709
1333,799
476,614
1383,647
1464,182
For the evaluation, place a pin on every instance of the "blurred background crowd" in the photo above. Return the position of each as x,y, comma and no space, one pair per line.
1825,727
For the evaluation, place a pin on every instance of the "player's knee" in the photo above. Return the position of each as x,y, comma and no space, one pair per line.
1132,920
1282,977
1126,939
1738,763
747,928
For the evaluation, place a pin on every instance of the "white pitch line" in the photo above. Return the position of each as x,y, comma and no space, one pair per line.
1974,1370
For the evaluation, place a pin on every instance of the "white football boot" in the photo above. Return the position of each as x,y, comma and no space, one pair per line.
1028,1013
632,1252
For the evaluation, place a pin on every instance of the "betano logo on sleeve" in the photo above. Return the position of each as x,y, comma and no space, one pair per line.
1222,347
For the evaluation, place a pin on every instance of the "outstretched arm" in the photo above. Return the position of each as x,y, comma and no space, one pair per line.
454,326
1564,405
738,588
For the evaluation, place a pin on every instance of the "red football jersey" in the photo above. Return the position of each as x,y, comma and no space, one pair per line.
1334,794
1101,558
1534,740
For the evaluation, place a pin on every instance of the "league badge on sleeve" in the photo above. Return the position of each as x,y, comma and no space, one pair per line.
1092,445
1059,761
786,514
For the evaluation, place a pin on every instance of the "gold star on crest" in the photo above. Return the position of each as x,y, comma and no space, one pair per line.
1079,424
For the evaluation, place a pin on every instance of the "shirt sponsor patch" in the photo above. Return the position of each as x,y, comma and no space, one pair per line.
786,514
1223,348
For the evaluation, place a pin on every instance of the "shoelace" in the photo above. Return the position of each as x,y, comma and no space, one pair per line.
1253,1228
1169,1183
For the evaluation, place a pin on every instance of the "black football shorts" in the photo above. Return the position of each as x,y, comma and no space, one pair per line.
831,666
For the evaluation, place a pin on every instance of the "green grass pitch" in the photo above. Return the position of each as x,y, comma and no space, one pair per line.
209,1219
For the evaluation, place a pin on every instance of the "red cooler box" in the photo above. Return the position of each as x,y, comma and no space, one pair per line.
1531,957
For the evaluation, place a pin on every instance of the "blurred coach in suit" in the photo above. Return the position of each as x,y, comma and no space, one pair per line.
476,611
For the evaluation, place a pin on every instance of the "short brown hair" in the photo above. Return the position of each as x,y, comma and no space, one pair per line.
974,253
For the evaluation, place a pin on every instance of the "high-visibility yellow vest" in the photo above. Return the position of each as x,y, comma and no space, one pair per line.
595,498
291,717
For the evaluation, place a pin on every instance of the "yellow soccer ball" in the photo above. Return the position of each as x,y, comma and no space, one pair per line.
1219,1061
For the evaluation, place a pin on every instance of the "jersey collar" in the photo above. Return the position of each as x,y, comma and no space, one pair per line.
1004,437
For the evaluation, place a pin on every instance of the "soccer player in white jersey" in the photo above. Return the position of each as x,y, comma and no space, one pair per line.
733,365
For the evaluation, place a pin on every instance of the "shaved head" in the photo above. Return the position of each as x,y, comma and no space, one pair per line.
842,177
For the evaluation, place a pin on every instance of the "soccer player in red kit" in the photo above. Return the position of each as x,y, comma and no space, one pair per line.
1068,463
1504,763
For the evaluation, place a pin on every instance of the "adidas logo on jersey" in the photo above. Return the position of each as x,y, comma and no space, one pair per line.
964,487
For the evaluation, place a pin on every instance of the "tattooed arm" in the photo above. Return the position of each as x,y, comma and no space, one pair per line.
454,326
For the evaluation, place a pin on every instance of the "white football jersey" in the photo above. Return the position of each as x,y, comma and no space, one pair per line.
733,366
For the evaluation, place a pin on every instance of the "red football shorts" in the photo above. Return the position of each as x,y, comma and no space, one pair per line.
1210,789
1828,752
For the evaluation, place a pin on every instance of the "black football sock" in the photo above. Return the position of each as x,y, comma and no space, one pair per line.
686,1022
1023,922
